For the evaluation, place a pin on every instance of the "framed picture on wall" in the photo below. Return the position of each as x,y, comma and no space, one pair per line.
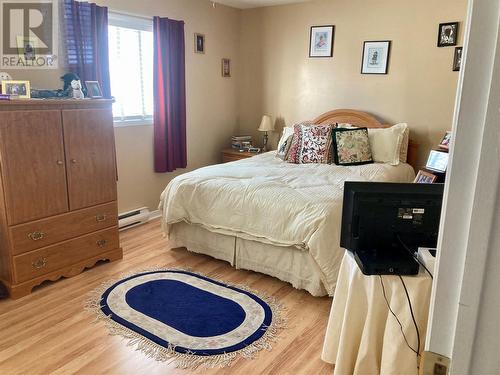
199,43
321,41
226,68
375,57
457,59
447,34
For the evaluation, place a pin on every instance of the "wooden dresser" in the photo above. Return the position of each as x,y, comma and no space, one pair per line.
58,211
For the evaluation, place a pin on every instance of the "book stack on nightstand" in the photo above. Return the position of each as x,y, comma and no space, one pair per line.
437,163
241,142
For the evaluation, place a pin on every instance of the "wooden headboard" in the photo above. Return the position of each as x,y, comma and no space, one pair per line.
359,118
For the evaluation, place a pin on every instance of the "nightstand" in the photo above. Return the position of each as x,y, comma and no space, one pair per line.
231,154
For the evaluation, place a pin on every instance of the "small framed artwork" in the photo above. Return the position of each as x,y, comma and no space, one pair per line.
93,89
437,161
375,57
424,177
321,42
20,89
457,59
226,68
447,34
199,43
445,142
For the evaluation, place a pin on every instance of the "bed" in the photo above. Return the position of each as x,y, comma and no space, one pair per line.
266,215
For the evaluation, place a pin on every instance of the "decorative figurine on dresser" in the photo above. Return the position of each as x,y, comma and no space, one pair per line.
58,210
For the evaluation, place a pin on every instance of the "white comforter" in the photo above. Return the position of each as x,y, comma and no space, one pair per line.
265,199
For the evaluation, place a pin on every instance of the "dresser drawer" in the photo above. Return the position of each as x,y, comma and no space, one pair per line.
40,233
51,258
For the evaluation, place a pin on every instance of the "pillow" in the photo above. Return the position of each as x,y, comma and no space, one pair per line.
351,146
284,147
386,143
403,152
311,144
403,149
287,132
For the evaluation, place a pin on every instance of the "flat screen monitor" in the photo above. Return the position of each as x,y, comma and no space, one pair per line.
376,216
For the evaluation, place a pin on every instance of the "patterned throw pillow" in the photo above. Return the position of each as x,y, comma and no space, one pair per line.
284,147
284,142
351,146
311,144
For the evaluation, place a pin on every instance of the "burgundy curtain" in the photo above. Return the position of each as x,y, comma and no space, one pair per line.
86,39
170,148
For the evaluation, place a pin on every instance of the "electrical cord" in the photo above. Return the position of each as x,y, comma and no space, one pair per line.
412,314
417,352
414,257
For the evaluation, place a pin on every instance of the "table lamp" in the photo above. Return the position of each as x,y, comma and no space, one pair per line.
266,125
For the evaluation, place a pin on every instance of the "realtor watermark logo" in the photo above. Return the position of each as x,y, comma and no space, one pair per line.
29,31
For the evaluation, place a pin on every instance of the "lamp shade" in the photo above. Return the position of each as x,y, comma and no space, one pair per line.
266,125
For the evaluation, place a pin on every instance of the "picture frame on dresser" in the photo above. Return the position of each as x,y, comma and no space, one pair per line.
93,89
424,177
437,161
445,141
19,89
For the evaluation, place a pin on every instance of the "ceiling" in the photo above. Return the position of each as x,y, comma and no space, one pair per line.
246,4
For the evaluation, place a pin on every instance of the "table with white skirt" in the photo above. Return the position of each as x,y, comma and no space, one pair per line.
363,337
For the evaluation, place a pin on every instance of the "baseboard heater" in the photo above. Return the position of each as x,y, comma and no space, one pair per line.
133,218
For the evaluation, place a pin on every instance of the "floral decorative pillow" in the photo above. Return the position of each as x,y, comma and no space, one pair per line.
311,144
284,147
351,146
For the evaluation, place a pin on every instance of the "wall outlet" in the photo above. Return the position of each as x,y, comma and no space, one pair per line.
434,364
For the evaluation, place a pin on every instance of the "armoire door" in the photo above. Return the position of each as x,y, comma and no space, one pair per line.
33,168
90,156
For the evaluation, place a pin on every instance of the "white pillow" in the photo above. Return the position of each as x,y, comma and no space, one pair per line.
385,155
386,143
287,132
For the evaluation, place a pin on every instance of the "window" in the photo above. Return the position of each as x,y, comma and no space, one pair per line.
131,68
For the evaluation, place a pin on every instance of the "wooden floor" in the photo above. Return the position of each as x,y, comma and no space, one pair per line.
48,332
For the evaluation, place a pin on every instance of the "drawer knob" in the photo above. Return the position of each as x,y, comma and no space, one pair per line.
39,263
100,218
101,243
36,236
60,162
73,161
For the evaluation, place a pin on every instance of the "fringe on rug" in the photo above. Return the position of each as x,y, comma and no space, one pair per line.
187,360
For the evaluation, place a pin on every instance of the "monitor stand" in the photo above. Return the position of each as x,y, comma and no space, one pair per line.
391,261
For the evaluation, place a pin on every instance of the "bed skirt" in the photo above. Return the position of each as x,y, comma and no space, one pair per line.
285,263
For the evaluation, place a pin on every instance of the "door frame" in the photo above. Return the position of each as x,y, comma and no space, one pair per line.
471,193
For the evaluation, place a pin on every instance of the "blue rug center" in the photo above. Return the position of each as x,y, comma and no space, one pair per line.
187,309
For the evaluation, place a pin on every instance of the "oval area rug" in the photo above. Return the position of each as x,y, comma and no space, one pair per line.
188,318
